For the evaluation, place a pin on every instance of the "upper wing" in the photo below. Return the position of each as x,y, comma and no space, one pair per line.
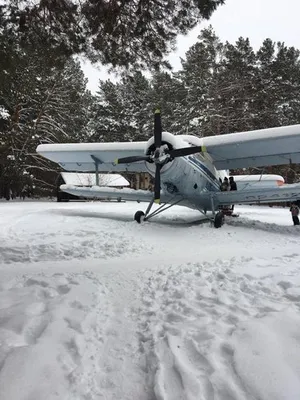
274,146
82,156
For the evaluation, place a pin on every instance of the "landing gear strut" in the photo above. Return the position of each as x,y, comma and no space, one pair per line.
140,216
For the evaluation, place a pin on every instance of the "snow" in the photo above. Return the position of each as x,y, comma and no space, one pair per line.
91,147
258,178
4,114
96,306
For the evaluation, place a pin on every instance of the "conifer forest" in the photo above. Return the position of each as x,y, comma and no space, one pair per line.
220,87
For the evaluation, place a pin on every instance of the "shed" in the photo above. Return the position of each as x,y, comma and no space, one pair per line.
86,179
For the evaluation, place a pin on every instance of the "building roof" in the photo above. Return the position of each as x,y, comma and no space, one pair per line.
85,179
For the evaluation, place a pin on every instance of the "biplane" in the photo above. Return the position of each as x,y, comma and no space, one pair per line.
187,170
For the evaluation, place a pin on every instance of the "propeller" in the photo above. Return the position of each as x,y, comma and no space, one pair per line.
130,159
185,151
155,157
157,129
157,184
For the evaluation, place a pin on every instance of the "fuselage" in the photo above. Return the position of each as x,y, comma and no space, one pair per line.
195,178
192,177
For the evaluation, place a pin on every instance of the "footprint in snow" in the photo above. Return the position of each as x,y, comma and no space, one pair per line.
74,324
31,282
63,289
35,327
183,371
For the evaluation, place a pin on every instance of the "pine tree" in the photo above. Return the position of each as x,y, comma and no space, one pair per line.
265,99
239,73
286,73
135,94
120,33
200,77
43,103
169,95
121,111
107,122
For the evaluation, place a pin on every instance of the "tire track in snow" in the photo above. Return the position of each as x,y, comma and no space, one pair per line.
263,226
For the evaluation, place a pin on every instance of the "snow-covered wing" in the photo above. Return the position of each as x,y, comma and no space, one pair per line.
82,156
112,193
274,146
265,195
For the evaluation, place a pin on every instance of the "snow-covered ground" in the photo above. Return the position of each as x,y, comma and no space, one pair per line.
96,306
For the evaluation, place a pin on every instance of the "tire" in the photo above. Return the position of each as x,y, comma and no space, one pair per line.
219,220
138,216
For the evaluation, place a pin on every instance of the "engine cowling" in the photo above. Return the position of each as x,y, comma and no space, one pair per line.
170,142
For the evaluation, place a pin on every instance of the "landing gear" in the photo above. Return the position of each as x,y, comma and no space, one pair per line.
219,219
139,216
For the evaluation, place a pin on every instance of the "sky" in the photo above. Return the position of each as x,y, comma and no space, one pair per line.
256,19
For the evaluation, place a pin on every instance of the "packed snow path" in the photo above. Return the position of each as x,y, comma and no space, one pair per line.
95,306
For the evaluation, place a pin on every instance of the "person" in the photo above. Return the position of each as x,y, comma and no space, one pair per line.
232,183
225,185
295,213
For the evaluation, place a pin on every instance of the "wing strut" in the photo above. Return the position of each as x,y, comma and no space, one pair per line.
97,161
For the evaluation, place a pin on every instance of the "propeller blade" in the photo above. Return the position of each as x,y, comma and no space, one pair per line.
157,184
128,160
185,151
157,129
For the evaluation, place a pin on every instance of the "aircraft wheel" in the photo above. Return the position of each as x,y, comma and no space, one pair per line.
219,220
139,216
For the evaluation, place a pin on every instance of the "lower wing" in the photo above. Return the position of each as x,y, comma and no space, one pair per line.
266,195
111,193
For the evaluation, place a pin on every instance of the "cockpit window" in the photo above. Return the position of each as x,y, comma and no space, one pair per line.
199,156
